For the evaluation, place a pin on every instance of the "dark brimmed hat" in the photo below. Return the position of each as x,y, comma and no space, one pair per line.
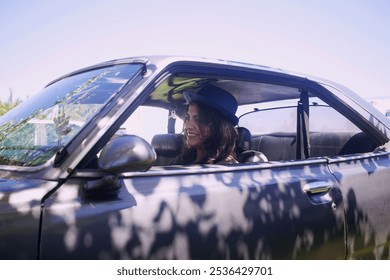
216,98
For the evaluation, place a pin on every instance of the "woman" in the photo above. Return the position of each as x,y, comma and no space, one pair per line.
209,127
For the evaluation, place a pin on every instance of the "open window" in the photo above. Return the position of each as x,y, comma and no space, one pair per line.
285,122
274,129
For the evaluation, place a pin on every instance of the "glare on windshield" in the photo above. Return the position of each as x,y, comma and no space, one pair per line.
35,130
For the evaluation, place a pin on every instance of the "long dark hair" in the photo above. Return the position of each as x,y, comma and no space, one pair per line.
221,143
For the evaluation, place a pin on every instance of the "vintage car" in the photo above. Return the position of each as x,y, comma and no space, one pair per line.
85,168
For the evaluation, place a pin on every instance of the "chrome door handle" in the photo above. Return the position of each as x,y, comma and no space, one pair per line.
317,187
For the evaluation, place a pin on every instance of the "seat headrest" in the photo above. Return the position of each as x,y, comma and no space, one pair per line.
244,139
167,145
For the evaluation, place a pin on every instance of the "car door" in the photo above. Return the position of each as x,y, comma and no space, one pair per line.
266,211
364,181
361,168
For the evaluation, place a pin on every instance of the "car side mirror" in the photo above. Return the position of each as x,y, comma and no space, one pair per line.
124,153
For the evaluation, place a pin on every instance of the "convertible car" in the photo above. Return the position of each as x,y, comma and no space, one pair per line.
85,168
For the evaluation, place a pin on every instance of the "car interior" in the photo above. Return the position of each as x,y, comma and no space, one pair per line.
277,122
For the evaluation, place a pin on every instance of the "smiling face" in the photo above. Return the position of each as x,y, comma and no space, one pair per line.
195,132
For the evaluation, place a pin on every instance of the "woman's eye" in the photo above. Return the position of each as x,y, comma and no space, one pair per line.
194,118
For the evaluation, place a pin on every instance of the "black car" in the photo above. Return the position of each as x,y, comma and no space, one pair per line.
85,173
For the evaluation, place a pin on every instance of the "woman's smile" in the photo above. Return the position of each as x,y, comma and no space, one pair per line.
192,127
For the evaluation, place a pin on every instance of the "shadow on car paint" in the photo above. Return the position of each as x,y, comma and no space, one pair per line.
273,228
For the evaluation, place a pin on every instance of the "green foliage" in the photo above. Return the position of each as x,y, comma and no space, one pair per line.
9,103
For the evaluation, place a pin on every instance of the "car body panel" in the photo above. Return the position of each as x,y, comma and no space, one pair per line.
187,214
20,215
364,185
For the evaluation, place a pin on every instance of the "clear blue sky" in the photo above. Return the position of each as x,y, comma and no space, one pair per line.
347,41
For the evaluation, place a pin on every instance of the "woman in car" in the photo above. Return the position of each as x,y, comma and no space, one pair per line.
209,127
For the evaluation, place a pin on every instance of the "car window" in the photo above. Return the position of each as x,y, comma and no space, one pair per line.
274,131
35,130
272,117
148,121
272,125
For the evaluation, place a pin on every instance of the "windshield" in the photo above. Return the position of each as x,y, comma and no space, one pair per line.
35,130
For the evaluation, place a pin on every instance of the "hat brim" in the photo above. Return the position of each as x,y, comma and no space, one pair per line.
193,97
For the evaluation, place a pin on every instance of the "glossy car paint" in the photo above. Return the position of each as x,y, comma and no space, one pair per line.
223,213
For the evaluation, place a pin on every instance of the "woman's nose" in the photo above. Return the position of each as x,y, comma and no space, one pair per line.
189,123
